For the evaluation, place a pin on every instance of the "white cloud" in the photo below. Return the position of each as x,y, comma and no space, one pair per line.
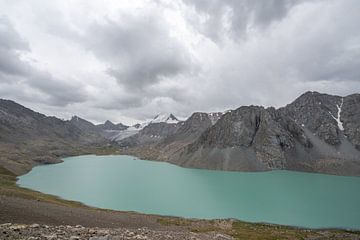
128,60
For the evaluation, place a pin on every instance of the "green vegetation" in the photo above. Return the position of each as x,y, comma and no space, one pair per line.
254,231
242,230
173,221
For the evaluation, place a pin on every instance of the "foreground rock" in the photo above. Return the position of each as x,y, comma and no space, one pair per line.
45,232
78,232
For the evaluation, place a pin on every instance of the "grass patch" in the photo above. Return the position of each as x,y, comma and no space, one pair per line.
255,231
173,222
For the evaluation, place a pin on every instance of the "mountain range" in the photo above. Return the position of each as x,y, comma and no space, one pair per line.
316,133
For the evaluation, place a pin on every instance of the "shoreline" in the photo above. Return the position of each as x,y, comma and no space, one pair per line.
24,206
194,218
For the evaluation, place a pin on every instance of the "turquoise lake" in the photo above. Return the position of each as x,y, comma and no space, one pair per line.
129,184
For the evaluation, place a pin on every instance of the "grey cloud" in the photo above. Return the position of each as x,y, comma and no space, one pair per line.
328,49
59,93
9,38
234,18
10,45
139,50
11,64
16,73
254,52
120,102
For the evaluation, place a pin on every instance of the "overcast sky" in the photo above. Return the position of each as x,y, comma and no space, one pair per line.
129,60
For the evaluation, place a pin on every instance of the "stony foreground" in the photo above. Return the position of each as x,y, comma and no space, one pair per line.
46,232
78,232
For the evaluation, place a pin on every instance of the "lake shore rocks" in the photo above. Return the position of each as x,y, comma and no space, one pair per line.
78,232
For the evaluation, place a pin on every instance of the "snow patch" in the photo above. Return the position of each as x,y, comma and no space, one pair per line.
340,124
214,116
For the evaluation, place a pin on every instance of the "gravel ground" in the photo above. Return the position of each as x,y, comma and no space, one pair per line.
31,219
46,232
28,211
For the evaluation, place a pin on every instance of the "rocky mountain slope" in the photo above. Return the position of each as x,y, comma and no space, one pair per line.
28,138
317,132
83,124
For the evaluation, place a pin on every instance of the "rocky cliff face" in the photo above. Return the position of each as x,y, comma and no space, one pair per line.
319,114
317,132
350,117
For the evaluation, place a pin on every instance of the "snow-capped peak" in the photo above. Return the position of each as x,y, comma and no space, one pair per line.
165,117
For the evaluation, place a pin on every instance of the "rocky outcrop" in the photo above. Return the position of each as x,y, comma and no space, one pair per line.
317,113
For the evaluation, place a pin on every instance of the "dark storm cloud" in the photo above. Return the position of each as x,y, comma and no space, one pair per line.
138,50
14,71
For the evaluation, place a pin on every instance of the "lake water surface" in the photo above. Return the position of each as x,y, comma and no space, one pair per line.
129,184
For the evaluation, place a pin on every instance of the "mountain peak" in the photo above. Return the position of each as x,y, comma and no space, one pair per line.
165,117
108,125
108,122
76,118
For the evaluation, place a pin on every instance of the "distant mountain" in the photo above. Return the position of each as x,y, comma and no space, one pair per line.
108,125
317,132
165,118
83,124
158,126
161,140
28,138
168,128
